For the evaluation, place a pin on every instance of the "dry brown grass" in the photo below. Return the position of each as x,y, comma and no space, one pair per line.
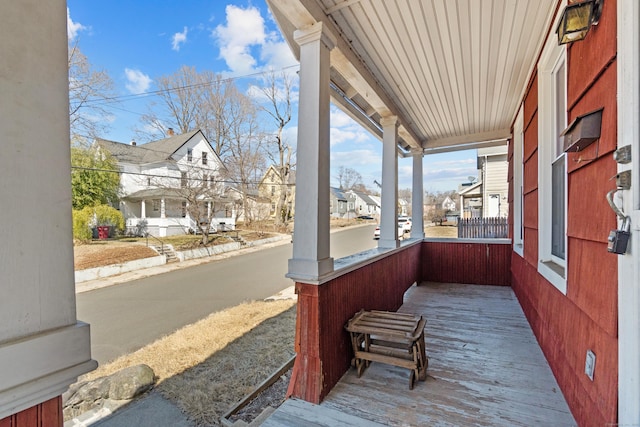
98,254
208,366
441,231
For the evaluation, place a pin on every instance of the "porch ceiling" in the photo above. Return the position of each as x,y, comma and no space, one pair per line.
454,72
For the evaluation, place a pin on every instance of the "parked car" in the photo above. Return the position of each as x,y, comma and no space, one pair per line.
404,224
376,232
365,217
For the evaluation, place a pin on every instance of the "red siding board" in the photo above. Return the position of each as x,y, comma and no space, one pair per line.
565,332
592,282
530,174
531,102
589,57
589,215
599,96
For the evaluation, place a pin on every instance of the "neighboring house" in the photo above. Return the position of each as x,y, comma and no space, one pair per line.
488,198
448,204
403,207
341,204
256,207
377,200
158,179
364,204
271,187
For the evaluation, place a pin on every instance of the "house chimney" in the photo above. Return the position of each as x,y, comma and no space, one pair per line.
132,142
170,132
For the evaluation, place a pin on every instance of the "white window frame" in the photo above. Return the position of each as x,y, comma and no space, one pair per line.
518,183
553,57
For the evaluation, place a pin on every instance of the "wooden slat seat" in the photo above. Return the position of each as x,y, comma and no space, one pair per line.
388,337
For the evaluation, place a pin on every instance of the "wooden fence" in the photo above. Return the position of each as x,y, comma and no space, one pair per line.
483,228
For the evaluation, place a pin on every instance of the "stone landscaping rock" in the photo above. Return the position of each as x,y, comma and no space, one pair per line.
123,385
130,382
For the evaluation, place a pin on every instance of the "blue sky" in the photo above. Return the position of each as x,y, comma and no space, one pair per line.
138,41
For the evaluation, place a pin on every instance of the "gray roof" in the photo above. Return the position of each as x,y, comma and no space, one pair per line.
365,197
338,193
151,152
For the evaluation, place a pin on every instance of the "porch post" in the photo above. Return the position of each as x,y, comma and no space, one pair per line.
43,346
163,208
311,258
417,198
628,80
389,202
143,209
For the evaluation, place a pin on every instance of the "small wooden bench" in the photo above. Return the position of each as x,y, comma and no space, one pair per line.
388,337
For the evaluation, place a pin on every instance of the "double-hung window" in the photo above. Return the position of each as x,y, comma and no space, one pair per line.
552,167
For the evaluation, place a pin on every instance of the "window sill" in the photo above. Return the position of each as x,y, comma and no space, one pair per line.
554,273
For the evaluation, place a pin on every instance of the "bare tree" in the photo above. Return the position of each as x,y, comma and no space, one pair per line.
89,92
349,179
246,158
190,100
277,91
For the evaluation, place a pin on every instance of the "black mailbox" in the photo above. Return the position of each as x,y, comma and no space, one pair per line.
582,131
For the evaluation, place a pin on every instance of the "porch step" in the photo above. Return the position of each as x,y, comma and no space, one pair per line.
167,251
237,238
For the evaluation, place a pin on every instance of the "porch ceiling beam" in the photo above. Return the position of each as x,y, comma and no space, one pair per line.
340,6
355,114
303,13
467,142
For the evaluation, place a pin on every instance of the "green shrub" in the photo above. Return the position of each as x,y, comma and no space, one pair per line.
91,216
81,228
106,215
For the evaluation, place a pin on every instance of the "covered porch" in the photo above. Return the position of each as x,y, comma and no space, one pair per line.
485,368
442,76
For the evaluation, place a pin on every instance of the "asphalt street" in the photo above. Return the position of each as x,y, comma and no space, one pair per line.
130,315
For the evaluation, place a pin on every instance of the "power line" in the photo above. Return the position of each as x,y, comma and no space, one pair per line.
121,98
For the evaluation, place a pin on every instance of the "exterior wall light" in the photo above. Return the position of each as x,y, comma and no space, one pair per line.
577,19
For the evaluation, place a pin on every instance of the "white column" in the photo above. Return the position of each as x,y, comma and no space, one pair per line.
143,209
43,347
311,258
628,69
388,211
163,208
417,198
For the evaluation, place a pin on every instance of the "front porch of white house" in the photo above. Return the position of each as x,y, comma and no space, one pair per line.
163,215
485,369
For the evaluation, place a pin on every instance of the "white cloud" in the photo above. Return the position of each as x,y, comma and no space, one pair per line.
345,130
276,53
73,27
138,82
244,28
179,39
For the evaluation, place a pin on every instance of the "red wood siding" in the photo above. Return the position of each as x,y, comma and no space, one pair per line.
586,317
47,414
476,263
322,345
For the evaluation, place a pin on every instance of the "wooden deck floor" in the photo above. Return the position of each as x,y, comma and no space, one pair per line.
485,369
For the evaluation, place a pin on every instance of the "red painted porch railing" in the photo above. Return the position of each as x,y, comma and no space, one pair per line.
322,344
482,262
47,414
